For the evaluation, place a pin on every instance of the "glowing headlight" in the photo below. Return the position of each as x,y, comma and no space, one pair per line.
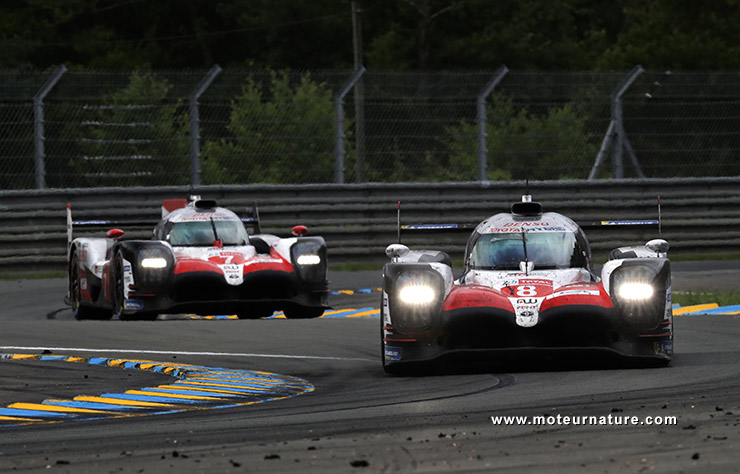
153,262
635,291
308,260
414,294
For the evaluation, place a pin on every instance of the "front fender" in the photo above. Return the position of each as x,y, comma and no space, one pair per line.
409,316
135,251
639,311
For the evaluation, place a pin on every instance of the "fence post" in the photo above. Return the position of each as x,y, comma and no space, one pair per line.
482,135
339,124
195,123
38,125
616,131
619,145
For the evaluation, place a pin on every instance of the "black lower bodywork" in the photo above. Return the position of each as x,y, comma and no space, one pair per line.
574,333
259,295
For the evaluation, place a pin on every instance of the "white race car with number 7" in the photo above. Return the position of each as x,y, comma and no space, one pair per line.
201,259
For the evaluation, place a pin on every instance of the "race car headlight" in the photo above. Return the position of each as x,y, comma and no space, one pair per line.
308,259
635,291
308,255
640,291
416,294
154,262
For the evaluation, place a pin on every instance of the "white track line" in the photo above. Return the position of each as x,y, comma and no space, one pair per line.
143,351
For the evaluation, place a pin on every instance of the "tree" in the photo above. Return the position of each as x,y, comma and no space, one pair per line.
681,35
523,145
135,136
280,132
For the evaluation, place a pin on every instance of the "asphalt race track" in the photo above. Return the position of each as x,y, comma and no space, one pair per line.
350,416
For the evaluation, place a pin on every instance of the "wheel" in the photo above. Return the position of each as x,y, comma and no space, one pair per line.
79,309
303,312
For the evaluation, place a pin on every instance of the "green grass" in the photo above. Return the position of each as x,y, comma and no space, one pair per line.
722,298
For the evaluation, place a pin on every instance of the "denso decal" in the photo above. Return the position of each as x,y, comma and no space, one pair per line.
526,224
206,217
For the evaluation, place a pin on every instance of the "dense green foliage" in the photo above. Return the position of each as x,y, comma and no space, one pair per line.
397,34
282,134
514,135
123,140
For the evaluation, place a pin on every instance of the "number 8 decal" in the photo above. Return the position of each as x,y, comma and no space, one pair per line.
526,290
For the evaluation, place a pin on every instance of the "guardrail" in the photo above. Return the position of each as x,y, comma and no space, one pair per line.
359,220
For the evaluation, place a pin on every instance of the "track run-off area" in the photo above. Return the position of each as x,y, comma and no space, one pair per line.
190,394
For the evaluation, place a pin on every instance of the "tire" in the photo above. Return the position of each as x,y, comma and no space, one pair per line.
80,310
303,312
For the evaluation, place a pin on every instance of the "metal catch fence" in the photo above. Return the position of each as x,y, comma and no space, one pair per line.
62,129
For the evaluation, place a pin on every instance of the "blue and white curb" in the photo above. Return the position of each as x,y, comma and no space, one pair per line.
195,388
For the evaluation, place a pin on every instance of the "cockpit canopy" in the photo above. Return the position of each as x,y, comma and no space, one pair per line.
193,226
547,250
550,241
231,232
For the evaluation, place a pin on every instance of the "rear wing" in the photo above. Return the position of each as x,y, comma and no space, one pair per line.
251,221
468,227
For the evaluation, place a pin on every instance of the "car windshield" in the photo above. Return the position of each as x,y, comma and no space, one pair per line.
231,232
545,249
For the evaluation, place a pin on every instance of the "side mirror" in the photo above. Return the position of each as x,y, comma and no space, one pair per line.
114,234
299,230
657,246
396,250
